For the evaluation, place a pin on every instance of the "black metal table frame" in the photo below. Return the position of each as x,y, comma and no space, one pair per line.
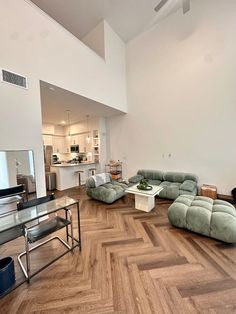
78,244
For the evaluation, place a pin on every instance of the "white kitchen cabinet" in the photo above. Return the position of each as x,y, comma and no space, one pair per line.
81,143
74,140
48,140
67,144
59,145
88,145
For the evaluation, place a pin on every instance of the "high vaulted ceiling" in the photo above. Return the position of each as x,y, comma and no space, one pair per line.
127,17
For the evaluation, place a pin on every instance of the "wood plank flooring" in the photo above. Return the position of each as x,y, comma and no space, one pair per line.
131,262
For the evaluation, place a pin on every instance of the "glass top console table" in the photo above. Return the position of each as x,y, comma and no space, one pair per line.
22,218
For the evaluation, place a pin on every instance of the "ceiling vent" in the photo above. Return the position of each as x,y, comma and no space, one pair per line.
14,79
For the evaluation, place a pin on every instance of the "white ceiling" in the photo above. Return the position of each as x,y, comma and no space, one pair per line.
55,101
127,17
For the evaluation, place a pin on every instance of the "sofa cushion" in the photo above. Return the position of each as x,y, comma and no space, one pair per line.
98,179
154,182
135,179
191,176
170,190
151,174
200,214
188,185
174,183
174,177
179,177
108,192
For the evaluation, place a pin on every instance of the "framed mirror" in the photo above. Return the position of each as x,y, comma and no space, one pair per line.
17,167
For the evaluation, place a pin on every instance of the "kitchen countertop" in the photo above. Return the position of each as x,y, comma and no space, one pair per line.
73,165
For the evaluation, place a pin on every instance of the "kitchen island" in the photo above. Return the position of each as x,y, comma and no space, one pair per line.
66,176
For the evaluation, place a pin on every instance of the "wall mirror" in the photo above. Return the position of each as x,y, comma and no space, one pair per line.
17,167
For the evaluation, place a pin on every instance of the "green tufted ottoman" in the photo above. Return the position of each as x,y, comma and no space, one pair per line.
212,218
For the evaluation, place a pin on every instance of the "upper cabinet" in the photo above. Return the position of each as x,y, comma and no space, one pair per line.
48,140
57,137
59,145
67,144
81,142
74,140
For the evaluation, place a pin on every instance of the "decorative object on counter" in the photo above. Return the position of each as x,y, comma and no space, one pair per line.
143,185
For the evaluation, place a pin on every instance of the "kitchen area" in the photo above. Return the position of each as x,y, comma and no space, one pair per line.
71,153
75,132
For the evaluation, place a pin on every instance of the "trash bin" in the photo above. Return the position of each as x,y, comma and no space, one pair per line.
51,181
7,274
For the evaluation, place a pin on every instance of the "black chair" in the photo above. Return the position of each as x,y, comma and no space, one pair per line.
42,230
16,193
12,194
35,201
11,234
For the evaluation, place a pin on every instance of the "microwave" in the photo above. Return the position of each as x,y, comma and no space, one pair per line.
74,148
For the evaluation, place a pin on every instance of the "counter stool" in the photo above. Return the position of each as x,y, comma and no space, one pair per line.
78,172
92,171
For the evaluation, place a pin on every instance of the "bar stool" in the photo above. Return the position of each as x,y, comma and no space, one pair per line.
93,171
78,172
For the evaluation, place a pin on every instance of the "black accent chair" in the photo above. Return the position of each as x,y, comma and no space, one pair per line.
17,191
11,234
43,229
17,232
36,201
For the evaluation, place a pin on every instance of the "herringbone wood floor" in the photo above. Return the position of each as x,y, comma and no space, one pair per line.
131,262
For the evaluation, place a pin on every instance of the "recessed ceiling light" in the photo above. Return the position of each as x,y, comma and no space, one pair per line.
63,122
51,88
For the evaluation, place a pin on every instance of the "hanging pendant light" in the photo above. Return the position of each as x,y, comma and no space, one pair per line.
88,137
68,122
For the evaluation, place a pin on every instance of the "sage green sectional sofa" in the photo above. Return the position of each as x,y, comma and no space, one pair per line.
173,183
212,218
100,187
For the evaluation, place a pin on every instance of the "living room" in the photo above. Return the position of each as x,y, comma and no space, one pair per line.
171,77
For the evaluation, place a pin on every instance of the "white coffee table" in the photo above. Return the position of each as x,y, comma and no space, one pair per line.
144,200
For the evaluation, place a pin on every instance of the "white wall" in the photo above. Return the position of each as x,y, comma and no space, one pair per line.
95,39
39,48
182,97
20,121
4,177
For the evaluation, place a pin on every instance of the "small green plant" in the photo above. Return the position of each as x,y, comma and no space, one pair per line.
143,185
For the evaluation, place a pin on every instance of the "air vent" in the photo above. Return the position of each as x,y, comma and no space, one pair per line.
13,79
